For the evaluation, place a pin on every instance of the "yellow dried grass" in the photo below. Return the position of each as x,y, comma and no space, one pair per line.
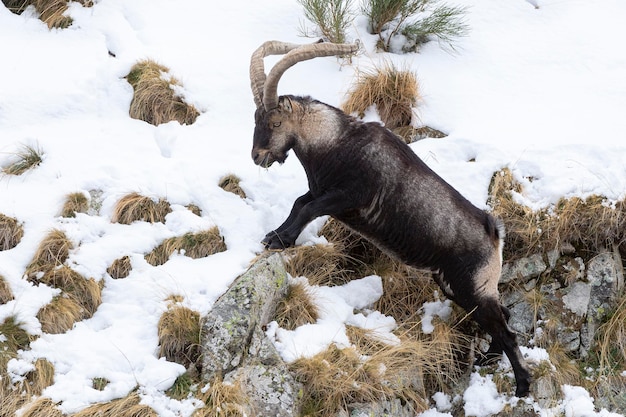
230,183
296,308
41,407
128,406
590,224
120,268
393,91
224,399
11,232
6,294
155,100
194,245
52,252
75,203
135,207
179,335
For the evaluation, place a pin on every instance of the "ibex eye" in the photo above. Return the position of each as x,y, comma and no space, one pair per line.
276,124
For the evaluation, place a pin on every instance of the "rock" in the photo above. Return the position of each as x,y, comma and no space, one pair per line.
605,275
523,269
236,348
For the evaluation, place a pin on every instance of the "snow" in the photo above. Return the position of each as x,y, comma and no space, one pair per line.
539,90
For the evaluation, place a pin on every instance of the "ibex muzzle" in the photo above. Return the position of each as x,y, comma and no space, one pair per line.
367,178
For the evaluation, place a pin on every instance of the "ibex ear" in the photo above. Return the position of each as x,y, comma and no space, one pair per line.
284,104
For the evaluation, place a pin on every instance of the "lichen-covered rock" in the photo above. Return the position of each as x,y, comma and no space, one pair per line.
236,348
523,269
605,275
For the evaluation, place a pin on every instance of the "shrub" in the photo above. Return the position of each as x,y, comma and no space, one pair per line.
157,97
332,18
417,20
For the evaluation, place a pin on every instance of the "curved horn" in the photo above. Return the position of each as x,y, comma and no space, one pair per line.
302,53
257,70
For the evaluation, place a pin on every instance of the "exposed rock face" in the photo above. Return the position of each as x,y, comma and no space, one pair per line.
236,348
556,296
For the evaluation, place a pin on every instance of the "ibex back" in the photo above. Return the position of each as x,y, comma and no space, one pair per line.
367,178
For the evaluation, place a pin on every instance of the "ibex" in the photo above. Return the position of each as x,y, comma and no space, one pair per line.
367,178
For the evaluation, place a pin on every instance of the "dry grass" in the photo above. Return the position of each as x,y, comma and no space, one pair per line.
296,308
375,371
40,378
194,209
14,339
50,12
230,183
27,158
135,207
124,407
194,245
179,335
6,294
78,301
155,100
41,407
75,203
347,256
611,341
52,252
11,232
120,268
590,225
393,91
223,399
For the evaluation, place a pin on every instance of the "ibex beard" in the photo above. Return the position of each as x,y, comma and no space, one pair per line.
364,176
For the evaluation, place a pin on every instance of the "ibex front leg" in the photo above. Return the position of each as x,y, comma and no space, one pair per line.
305,209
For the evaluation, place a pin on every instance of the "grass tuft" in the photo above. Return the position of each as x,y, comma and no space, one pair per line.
590,224
194,245
6,294
296,308
393,91
27,158
179,335
41,407
11,232
157,99
75,203
223,399
120,268
135,207
41,377
52,252
128,406
230,183
79,299
611,341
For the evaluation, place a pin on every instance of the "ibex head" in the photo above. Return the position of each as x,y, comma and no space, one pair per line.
273,131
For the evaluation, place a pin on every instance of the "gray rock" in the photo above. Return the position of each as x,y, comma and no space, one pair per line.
605,275
236,348
523,269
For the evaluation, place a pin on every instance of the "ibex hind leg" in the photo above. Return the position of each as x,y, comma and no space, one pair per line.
491,317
